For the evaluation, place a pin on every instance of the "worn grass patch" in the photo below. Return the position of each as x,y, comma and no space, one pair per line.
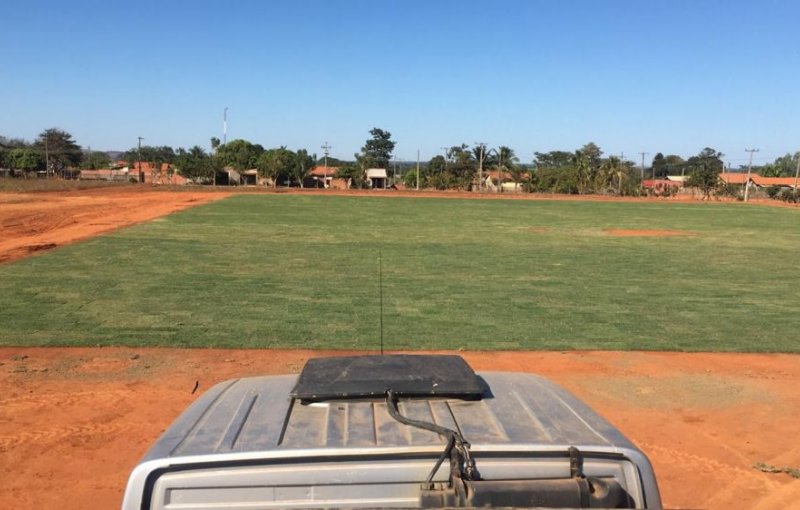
302,271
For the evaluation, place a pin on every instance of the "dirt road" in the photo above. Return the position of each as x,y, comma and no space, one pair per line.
34,222
74,422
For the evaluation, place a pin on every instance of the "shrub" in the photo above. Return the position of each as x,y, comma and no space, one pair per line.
787,195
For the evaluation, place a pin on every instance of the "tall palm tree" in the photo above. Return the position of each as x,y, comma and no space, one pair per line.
581,164
506,161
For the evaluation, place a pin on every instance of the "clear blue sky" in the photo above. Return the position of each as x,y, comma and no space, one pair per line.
631,76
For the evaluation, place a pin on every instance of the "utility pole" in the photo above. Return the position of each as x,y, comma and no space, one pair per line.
326,150
140,158
499,171
46,159
796,176
225,126
482,146
445,149
749,166
619,173
642,169
418,171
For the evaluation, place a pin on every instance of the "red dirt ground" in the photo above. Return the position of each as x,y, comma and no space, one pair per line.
34,222
74,422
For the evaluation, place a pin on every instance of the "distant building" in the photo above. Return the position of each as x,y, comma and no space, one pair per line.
138,171
376,178
321,177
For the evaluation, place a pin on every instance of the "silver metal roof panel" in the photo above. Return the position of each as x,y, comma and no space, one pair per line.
256,414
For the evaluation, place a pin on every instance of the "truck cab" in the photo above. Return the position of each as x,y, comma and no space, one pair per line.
391,431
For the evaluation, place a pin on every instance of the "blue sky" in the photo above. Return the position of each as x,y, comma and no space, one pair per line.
632,76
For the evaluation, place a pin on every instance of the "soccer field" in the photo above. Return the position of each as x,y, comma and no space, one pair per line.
303,271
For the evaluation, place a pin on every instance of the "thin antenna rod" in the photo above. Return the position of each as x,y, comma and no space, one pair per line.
380,286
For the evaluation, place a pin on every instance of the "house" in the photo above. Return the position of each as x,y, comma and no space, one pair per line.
494,181
662,186
250,177
320,177
146,172
104,174
678,178
780,182
376,178
736,178
228,176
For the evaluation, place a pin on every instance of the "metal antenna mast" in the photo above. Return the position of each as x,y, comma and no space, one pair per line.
225,126
749,166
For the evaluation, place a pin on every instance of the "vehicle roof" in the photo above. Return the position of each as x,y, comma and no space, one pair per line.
257,414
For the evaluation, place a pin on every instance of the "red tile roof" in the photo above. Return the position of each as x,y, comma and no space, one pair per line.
758,180
736,178
775,181
322,171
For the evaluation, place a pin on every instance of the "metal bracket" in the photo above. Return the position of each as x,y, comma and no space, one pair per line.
575,463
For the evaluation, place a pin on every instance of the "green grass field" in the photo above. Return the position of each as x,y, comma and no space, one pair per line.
302,271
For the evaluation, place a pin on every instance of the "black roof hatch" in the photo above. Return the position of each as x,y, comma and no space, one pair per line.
407,375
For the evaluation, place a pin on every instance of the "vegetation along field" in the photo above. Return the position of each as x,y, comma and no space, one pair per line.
303,271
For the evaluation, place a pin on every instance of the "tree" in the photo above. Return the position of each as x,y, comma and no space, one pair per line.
303,164
377,151
552,159
27,159
461,170
580,162
593,154
351,172
435,166
214,143
276,164
239,154
667,165
506,161
196,164
705,170
610,176
94,160
784,166
59,149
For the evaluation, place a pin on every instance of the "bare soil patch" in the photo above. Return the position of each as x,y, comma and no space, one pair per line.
620,232
74,422
35,222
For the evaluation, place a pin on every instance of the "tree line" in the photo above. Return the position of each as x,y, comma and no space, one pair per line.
586,170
